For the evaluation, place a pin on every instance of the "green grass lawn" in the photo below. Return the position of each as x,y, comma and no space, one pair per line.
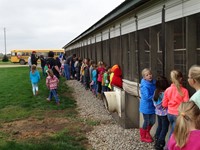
5,63
29,122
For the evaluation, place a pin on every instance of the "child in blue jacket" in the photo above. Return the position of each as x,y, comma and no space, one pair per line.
35,78
147,108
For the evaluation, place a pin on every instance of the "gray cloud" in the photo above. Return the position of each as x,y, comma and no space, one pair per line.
48,23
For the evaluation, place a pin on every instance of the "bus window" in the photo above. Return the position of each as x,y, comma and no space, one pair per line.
13,54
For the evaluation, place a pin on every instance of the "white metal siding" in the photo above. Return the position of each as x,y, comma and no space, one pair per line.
150,16
128,25
176,9
85,42
173,10
88,40
115,31
93,39
98,37
105,34
191,7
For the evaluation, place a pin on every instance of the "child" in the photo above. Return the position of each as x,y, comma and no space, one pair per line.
174,96
93,84
100,71
82,79
52,84
163,123
35,78
117,76
186,132
78,68
46,69
146,105
29,63
87,74
105,80
194,81
92,63
62,67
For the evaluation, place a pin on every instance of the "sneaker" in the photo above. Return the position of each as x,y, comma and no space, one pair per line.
48,100
36,93
58,103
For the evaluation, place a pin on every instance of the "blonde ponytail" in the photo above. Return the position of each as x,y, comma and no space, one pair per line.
176,77
188,113
181,130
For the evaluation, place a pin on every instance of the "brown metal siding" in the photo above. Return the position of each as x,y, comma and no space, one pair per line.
99,51
115,51
105,46
125,59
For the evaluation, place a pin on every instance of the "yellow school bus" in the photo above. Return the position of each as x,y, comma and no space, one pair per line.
21,56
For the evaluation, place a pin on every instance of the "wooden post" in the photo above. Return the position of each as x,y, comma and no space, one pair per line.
169,61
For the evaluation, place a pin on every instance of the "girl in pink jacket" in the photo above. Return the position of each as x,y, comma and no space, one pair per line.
52,84
174,96
186,133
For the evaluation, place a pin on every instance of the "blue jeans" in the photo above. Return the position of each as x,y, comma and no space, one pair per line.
43,72
162,129
94,88
67,71
104,89
172,120
149,120
53,93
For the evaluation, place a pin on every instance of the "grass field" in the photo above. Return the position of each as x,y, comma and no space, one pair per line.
5,63
29,122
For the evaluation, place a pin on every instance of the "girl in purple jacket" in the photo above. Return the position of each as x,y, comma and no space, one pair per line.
161,113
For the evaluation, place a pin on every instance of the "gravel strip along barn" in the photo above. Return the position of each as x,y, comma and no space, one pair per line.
108,135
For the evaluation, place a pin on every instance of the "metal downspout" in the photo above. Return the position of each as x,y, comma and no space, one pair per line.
95,49
163,40
102,47
138,54
109,49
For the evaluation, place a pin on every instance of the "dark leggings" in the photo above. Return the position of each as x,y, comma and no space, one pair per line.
99,87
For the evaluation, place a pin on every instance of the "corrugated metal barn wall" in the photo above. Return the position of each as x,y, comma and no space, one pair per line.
120,41
122,50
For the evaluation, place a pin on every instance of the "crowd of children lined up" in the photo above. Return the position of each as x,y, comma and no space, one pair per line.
50,69
96,77
170,103
99,77
172,106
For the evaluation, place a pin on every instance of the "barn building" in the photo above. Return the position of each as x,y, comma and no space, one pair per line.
157,34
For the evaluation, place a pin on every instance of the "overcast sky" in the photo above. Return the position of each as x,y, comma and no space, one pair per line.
43,24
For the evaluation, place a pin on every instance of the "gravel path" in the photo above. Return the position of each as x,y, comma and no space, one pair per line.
108,135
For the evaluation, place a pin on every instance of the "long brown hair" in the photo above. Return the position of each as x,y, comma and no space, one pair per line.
188,113
50,73
161,85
